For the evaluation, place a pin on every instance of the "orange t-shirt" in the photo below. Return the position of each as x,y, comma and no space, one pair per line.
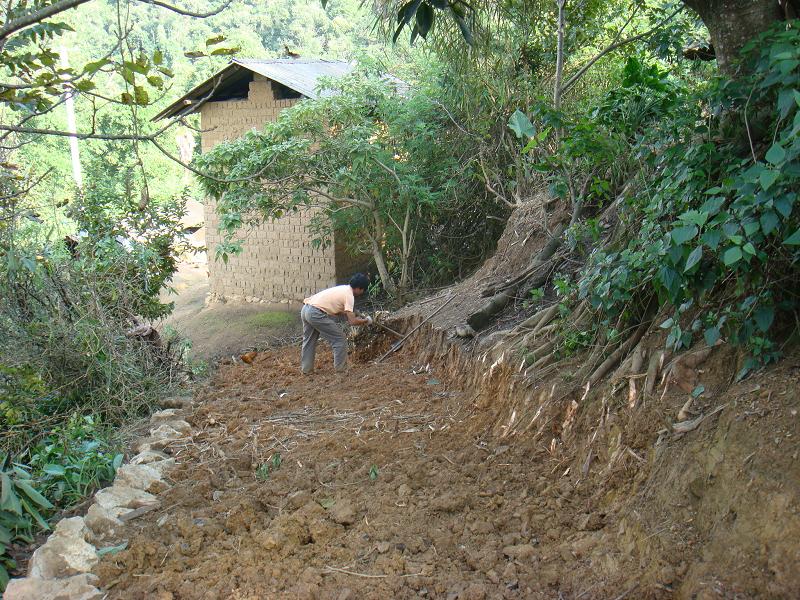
334,301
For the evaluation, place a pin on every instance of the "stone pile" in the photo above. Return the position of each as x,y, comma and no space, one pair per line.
61,569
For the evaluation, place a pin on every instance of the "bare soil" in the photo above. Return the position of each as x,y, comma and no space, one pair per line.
219,330
392,482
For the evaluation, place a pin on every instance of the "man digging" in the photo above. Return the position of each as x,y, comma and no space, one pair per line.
320,314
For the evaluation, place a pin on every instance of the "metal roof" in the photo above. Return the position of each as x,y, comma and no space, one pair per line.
300,74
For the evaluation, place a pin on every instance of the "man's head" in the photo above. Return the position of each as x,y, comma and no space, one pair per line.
359,283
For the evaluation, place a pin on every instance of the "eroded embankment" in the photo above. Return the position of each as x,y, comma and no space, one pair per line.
670,494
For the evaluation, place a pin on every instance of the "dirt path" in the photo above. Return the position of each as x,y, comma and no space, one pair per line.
379,491
223,329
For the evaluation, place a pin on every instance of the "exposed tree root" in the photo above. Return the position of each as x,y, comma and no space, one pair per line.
540,268
618,354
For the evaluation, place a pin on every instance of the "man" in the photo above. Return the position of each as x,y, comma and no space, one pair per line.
319,315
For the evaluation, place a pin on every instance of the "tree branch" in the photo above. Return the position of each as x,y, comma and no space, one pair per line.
188,13
352,201
572,80
37,17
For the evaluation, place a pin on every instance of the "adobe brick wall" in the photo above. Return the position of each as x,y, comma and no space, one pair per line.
278,263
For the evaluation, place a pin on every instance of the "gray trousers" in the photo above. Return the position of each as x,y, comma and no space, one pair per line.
317,323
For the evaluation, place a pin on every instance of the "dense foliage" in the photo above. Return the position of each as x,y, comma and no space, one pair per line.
374,156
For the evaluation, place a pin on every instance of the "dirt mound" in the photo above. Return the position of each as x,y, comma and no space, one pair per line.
524,236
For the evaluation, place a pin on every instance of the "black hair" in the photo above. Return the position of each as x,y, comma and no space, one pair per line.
359,281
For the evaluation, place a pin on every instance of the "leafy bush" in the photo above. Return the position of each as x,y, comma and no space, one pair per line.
715,225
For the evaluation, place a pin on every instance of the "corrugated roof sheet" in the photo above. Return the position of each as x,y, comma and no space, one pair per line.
299,74
302,75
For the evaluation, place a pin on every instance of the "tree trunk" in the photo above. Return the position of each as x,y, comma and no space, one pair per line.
377,253
733,23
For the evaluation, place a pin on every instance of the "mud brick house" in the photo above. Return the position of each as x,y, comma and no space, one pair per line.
279,263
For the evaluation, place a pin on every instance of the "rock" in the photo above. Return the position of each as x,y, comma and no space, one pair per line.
521,552
492,576
77,587
404,490
343,513
163,465
148,457
465,331
65,553
124,497
166,428
140,477
160,437
162,416
104,521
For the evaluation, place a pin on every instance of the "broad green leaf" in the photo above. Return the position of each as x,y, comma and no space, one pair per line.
785,102
749,248
8,495
141,96
215,40
225,51
711,335
29,509
764,316
521,125
712,238
54,469
776,154
695,217
694,258
751,227
712,205
667,324
784,205
158,57
425,19
769,221
34,495
681,235
4,577
732,255
5,535
768,178
793,240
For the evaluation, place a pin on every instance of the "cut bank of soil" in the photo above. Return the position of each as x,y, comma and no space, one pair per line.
386,488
